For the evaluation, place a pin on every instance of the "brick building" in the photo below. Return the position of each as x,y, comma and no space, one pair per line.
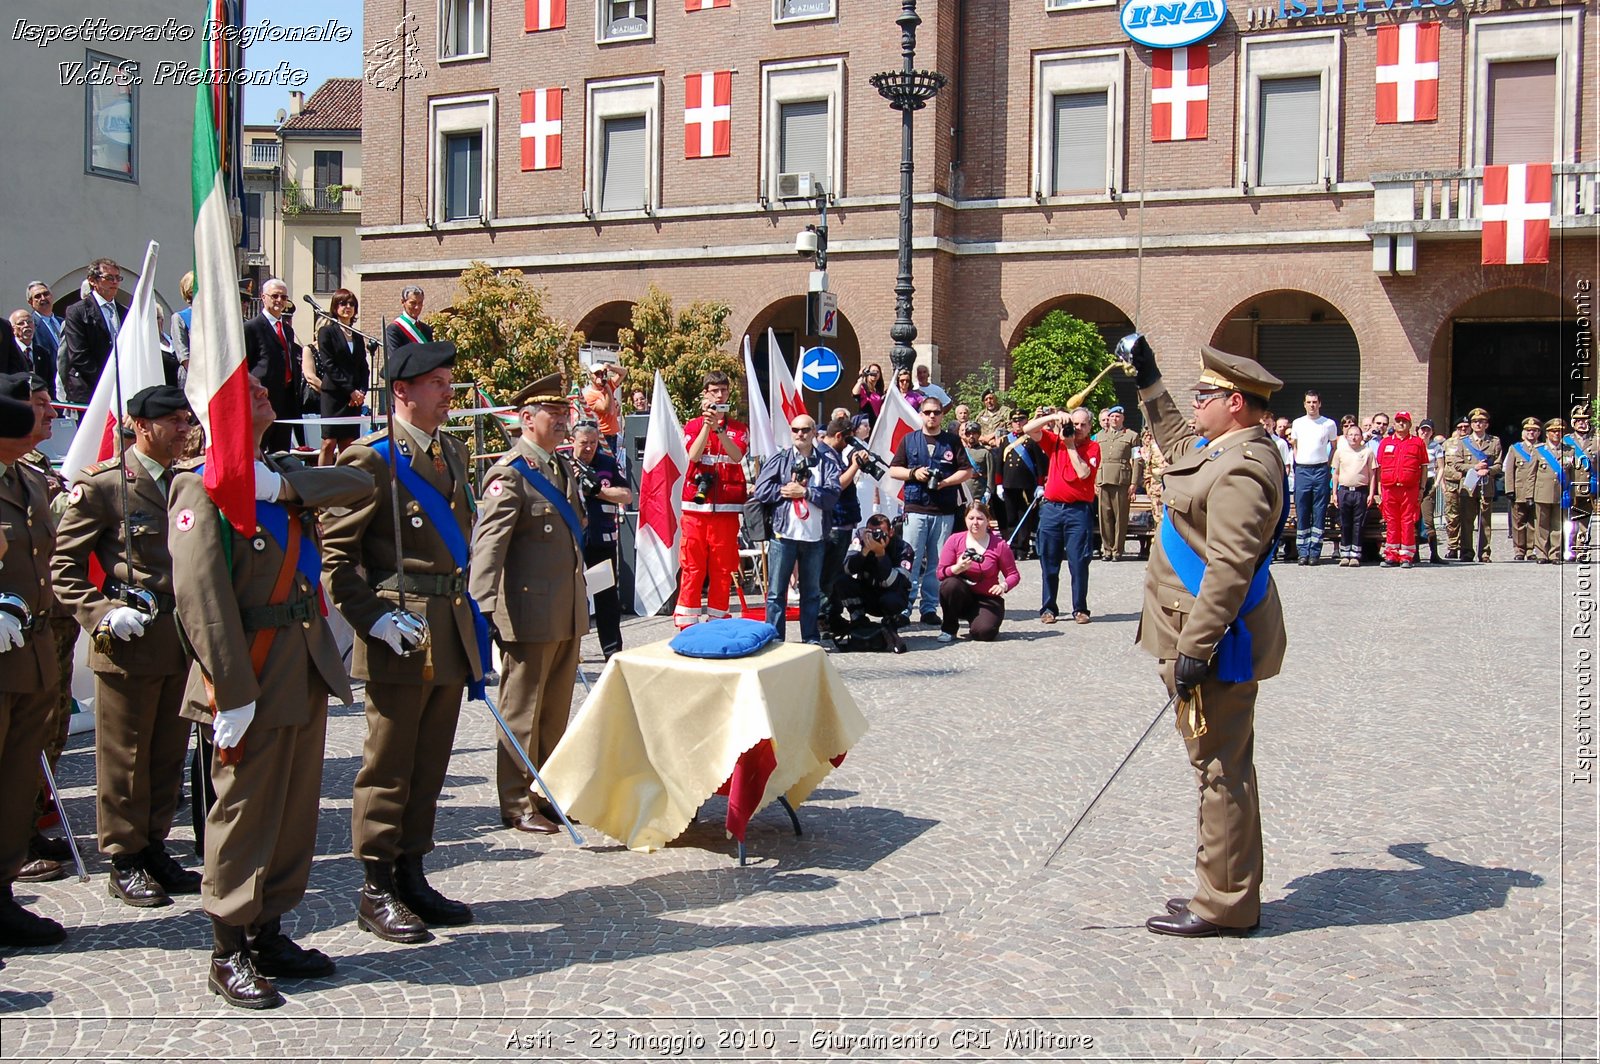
583,146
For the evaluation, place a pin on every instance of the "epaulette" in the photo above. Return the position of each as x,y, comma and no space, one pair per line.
100,467
372,438
188,465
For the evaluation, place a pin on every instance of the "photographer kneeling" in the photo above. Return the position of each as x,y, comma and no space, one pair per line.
976,569
799,487
876,583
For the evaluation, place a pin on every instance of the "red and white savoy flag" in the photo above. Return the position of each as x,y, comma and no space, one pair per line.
1516,214
541,129
1408,72
707,114
543,15
1179,88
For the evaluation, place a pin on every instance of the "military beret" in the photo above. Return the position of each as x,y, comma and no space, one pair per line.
547,389
1531,423
21,386
1477,412
413,360
1236,373
157,401
16,419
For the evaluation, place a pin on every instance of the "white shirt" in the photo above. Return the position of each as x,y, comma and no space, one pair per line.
936,392
1313,439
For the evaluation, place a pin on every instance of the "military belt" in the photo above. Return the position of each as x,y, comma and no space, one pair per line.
300,610
429,585
116,589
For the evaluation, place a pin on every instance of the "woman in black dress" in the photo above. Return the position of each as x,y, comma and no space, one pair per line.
342,364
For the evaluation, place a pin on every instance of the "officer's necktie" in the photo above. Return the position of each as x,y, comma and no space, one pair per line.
288,367
109,311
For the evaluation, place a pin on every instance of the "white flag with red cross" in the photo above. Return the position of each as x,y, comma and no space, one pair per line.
541,129
707,114
1180,87
896,420
1408,73
660,539
784,400
1516,214
543,15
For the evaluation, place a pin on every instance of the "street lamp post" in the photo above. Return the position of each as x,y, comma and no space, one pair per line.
907,89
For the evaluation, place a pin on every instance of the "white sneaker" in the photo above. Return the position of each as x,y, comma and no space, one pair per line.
946,637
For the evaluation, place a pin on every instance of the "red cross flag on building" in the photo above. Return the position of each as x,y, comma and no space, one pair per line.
543,15
1516,214
1180,84
707,114
1408,72
541,129
705,5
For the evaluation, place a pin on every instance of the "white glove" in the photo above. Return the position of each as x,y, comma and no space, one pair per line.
268,483
228,725
1038,493
126,622
10,633
402,631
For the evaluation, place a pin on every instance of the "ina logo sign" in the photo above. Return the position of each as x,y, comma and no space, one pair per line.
1172,25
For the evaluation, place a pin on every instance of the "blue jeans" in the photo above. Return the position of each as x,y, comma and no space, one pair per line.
782,556
1310,507
1066,533
925,534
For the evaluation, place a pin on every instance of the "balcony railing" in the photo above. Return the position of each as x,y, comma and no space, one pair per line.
262,153
1451,201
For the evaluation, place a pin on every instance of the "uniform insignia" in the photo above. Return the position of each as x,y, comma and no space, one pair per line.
416,522
76,493
130,474
185,520
258,543
497,488
1216,453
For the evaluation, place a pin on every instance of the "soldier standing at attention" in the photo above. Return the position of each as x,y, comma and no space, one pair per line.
1585,477
1212,617
1475,466
1118,474
264,665
527,576
1521,469
415,672
1552,493
140,667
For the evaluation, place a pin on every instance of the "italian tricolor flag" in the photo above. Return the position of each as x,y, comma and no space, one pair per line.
219,381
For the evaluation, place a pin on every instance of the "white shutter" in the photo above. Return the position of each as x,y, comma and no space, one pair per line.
1079,147
1522,112
624,170
1323,357
803,139
1290,131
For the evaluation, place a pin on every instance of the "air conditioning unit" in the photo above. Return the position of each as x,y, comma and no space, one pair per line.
801,186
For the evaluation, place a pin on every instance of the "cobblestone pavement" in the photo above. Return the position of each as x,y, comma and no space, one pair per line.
1430,890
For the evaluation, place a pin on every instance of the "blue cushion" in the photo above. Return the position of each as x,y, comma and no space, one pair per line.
727,637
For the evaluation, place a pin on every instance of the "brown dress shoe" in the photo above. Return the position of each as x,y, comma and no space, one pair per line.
1081,617
131,883
1186,924
380,911
537,823
279,956
1177,905
41,870
233,973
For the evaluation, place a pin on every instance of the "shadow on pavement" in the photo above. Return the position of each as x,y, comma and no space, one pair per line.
23,1000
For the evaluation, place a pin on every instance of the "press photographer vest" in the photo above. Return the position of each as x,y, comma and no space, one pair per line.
919,453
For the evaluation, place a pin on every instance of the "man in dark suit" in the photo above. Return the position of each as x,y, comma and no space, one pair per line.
48,326
407,327
91,329
26,351
274,360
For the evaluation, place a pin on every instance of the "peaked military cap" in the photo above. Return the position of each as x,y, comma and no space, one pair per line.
1476,412
1531,423
1555,424
158,400
413,360
547,389
1236,373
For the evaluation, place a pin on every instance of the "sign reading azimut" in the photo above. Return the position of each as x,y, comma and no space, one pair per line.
1172,25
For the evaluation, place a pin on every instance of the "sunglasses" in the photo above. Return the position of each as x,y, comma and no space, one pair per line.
801,432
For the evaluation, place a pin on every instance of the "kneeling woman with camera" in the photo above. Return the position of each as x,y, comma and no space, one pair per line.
976,569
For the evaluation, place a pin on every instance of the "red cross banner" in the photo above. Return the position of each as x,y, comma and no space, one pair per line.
1180,86
1408,73
660,539
543,15
541,129
705,5
1516,214
707,114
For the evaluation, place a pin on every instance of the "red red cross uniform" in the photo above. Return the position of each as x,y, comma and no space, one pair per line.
1401,464
711,528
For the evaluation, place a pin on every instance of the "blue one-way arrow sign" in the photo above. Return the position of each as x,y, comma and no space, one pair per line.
819,369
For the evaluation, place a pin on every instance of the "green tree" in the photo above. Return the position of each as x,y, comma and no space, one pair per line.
504,337
1057,358
684,345
970,389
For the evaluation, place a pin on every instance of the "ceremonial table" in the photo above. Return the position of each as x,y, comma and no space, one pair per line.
660,733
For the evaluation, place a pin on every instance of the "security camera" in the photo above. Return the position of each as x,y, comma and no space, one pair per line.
805,242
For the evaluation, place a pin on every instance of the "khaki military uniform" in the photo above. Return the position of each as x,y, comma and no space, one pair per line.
65,628
527,576
140,736
1582,512
261,832
1474,508
412,702
1155,467
1450,486
1520,476
1545,540
1225,500
1119,471
29,674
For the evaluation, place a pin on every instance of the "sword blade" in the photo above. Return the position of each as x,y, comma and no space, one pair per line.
61,811
527,763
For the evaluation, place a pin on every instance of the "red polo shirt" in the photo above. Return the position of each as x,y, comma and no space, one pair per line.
1062,483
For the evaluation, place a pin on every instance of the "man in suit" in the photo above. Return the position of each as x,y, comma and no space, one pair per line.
48,327
138,660
91,330
274,360
530,536
407,326
1212,617
414,684
1119,472
265,663
26,352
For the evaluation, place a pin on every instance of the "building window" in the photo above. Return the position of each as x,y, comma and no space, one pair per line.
1078,123
1523,87
464,29
624,146
327,171
327,253
1288,113
623,20
802,126
1522,112
461,175
1073,5
111,117
252,221
801,10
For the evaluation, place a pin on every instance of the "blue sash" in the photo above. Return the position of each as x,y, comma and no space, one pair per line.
1482,456
1024,456
1561,475
1583,460
552,495
1522,452
437,510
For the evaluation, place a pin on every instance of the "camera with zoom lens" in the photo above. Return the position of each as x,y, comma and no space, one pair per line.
588,480
874,464
802,470
877,535
936,473
704,482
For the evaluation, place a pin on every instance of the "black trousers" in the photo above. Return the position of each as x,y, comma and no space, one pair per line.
853,596
607,606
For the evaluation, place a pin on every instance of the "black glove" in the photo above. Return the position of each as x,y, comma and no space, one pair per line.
1188,674
1136,349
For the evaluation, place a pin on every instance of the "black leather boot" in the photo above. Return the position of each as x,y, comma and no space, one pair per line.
233,974
277,955
172,876
132,883
413,888
382,912
19,927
